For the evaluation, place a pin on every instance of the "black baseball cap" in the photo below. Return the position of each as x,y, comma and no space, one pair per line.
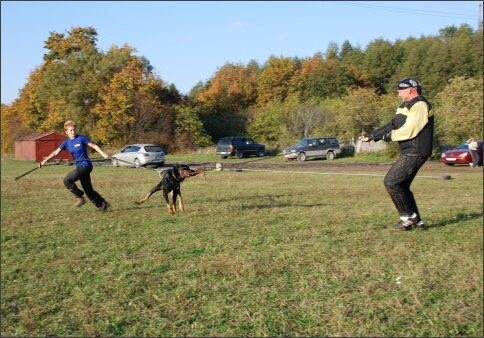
409,83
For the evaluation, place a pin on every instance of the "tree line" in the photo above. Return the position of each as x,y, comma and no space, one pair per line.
117,97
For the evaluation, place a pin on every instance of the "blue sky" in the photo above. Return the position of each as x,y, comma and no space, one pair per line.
187,41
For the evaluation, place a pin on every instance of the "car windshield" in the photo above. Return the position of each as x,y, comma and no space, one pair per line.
462,146
303,143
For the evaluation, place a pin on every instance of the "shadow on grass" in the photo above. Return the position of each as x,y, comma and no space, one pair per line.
279,205
459,218
161,202
242,197
241,207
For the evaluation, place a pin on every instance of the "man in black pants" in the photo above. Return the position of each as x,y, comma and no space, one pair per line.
413,128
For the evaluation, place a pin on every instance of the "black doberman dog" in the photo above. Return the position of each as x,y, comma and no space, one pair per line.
170,183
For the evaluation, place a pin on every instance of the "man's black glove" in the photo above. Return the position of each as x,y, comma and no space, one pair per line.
387,137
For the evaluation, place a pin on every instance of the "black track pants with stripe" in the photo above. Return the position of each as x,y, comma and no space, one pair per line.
398,180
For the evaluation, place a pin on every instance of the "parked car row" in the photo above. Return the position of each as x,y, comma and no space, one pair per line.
143,154
307,148
326,147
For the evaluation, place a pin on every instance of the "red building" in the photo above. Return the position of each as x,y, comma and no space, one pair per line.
37,146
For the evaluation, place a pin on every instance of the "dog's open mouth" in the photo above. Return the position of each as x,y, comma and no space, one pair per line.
194,173
190,173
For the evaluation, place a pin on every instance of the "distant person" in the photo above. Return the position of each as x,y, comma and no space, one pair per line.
77,144
413,128
473,147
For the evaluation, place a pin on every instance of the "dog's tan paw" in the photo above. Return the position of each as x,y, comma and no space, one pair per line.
171,209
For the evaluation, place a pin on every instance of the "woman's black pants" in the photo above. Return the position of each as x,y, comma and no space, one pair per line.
83,174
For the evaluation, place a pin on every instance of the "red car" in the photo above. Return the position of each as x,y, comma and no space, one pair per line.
460,155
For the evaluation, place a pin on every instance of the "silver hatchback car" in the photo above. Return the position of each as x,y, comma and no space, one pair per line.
139,155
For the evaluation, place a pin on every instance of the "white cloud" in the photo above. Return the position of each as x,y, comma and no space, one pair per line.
235,25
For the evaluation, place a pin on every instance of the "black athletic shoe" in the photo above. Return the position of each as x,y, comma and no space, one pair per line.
409,224
420,225
105,206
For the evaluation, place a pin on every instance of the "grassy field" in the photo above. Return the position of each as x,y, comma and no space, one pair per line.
256,253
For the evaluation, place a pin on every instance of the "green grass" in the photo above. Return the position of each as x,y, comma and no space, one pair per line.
256,253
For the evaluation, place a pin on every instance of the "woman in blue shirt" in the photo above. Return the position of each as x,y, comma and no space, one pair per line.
77,145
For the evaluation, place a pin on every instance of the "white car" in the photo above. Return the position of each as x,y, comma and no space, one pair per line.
139,155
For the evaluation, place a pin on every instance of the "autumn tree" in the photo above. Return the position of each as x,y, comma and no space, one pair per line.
70,89
267,123
361,111
60,46
461,52
189,129
381,60
275,79
232,89
130,92
348,54
426,60
59,89
11,127
459,110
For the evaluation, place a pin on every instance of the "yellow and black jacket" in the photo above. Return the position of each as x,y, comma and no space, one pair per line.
412,127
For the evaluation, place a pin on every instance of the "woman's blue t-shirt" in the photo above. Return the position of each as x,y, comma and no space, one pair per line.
78,149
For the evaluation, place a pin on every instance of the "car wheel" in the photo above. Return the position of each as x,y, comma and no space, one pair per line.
161,164
302,157
260,153
224,157
115,162
137,163
330,155
240,154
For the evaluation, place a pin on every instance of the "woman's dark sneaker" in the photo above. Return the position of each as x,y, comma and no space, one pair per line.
105,206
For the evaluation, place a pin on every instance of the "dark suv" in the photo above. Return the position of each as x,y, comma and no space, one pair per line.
240,147
314,147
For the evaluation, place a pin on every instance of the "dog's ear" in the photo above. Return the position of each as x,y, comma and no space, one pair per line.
175,170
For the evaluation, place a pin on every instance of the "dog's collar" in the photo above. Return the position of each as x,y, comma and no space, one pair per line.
170,175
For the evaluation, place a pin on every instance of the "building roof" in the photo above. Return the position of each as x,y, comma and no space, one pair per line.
35,136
